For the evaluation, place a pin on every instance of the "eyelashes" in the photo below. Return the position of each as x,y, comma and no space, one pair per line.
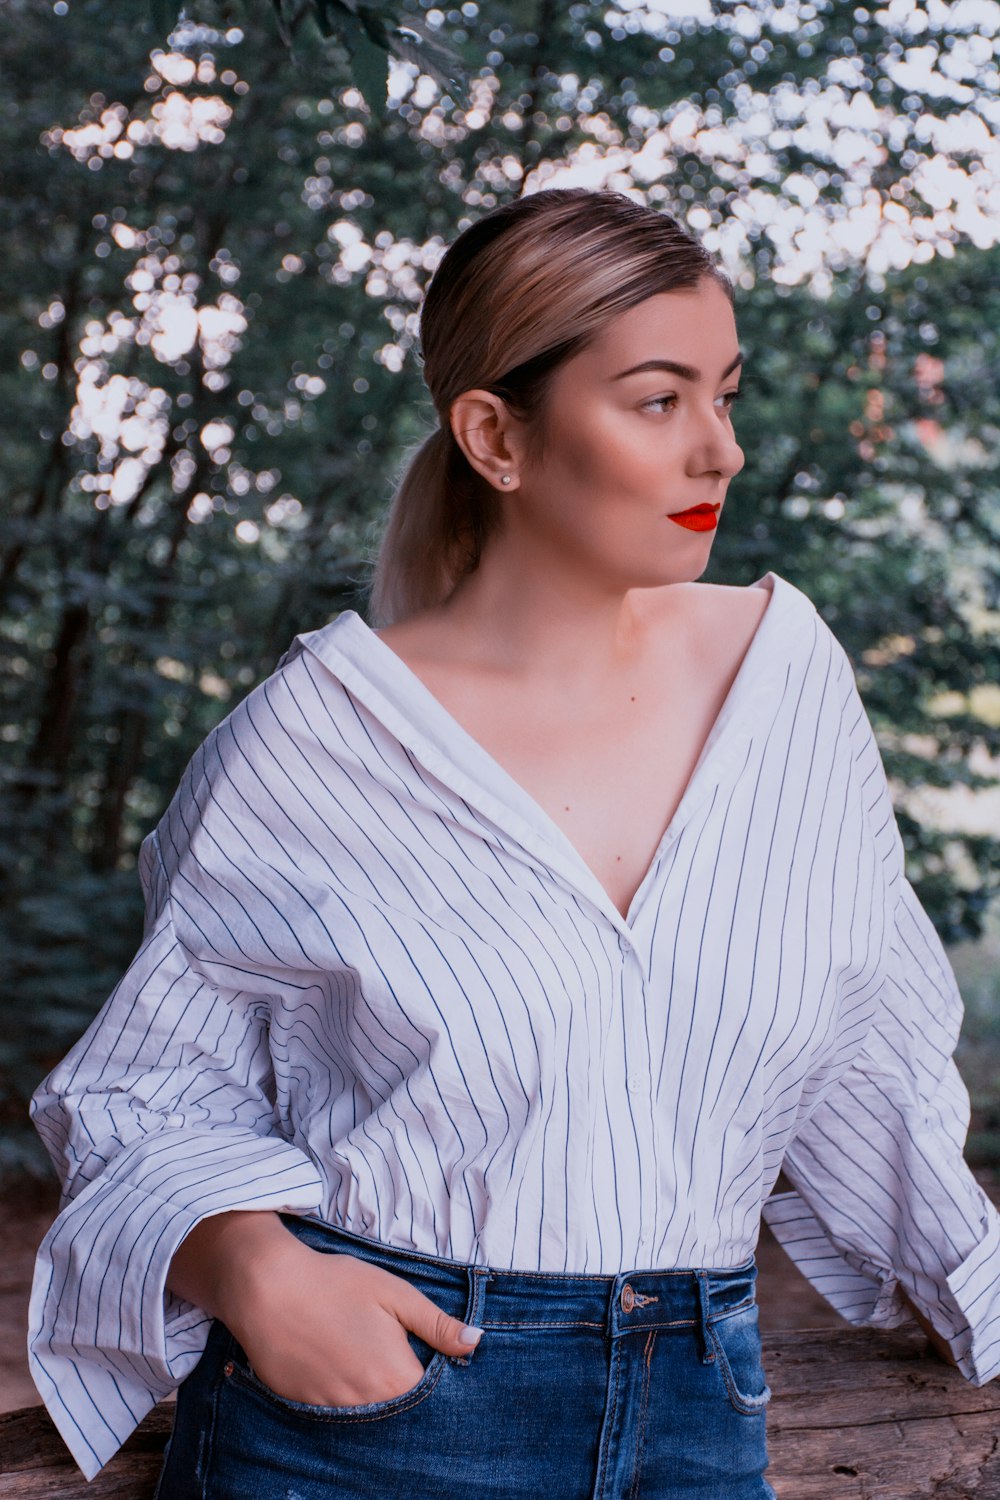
730,397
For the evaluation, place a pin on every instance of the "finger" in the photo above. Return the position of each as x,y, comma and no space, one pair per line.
431,1323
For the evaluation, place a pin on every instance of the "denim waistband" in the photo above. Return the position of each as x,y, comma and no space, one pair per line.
691,1297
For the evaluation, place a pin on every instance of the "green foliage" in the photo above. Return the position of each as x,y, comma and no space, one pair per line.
151,574
363,32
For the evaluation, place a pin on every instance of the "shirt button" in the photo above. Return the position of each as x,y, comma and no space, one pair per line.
635,1083
628,1298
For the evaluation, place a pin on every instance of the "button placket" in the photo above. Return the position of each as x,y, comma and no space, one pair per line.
638,1084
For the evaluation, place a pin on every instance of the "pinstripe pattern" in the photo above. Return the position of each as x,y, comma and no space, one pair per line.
378,984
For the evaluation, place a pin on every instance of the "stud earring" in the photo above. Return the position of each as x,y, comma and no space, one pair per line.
505,479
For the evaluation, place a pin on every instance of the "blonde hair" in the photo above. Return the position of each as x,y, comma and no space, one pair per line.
517,294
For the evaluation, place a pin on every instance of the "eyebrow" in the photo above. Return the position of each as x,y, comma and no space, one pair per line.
686,372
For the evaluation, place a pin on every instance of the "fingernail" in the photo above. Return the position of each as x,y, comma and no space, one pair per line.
470,1335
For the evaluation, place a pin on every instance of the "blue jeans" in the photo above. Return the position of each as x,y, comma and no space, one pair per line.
643,1386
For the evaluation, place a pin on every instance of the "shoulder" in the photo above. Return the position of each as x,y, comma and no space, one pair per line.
748,602
727,620
268,737
715,623
709,605
716,626
741,608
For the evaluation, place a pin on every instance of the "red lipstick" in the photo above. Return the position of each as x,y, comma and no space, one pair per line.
697,517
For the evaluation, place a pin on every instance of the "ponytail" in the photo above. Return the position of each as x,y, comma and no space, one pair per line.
439,518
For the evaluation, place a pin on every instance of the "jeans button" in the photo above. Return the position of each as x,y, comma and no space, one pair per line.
628,1298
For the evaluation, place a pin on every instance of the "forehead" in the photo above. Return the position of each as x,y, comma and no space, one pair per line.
671,325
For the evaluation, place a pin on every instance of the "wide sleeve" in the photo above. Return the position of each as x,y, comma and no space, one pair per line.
162,1114
883,1199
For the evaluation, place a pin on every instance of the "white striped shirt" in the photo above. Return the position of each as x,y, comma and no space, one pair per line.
379,985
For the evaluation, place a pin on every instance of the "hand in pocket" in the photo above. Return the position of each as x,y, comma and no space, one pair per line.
331,1329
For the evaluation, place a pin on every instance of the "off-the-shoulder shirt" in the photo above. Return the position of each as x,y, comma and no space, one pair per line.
380,986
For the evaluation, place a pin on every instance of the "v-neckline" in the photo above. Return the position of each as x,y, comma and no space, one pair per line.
381,679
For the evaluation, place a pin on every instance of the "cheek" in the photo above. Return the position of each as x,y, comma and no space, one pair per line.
603,452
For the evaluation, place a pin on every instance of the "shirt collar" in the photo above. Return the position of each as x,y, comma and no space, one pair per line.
380,680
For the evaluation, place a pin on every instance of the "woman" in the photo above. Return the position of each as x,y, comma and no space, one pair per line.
499,956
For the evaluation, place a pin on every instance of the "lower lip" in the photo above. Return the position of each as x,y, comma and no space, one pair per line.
696,520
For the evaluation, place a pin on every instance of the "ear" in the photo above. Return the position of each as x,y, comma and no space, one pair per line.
488,435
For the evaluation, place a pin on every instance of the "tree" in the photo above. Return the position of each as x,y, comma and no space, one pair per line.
217,248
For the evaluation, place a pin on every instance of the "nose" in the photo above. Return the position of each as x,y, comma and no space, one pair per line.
714,449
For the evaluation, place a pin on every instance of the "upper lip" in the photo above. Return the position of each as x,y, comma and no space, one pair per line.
702,505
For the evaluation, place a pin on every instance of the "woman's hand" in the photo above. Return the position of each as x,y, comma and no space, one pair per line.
331,1329
326,1329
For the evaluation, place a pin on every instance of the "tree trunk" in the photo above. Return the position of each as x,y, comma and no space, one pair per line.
125,759
49,484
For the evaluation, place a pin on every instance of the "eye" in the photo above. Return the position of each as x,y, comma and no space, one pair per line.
729,398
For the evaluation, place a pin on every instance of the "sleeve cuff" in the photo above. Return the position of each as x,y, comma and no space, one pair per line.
973,1295
859,1291
966,1312
102,1358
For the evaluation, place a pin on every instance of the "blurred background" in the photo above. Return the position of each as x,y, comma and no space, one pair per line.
217,224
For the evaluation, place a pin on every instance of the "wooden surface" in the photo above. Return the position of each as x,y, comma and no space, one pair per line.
855,1416
34,1460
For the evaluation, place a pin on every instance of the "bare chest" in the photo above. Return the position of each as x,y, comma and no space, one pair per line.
611,780
610,772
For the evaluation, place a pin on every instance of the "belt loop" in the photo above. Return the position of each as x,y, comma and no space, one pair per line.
707,1351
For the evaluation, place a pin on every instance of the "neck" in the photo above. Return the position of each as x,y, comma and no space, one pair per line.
521,613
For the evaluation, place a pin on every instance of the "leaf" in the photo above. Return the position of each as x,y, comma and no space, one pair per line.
283,31
369,63
410,42
328,27
371,71
371,19
163,14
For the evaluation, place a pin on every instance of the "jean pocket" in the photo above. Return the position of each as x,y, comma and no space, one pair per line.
736,1344
240,1372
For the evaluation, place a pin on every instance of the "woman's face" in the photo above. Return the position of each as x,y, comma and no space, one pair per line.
627,446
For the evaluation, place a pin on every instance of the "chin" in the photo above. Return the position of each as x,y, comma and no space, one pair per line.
663,577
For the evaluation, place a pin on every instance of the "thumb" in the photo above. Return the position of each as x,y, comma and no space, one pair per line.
432,1324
